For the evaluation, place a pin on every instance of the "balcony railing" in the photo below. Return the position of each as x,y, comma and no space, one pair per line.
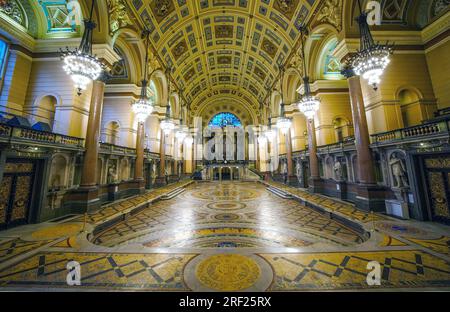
348,142
425,130
26,134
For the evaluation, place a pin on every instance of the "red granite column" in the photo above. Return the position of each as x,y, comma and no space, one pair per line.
139,166
86,197
369,195
314,178
161,179
291,179
365,162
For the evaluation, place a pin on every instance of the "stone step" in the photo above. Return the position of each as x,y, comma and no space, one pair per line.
173,194
279,192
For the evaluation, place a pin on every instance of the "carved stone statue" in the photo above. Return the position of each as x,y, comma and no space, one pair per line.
398,171
299,171
112,173
338,170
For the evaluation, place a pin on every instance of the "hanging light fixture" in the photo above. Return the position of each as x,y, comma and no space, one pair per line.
167,125
80,64
183,130
309,104
143,107
283,122
372,58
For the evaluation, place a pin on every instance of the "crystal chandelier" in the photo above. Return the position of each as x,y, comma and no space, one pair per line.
372,58
143,107
80,64
167,125
309,104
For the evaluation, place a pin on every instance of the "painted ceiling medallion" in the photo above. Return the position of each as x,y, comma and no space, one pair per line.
179,49
162,8
224,31
286,7
269,47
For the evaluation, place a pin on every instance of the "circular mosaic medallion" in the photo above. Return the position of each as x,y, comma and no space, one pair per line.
226,205
226,217
228,272
58,231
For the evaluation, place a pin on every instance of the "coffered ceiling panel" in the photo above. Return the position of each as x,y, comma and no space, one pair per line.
217,46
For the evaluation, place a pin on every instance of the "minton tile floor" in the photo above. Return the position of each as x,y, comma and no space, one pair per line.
227,237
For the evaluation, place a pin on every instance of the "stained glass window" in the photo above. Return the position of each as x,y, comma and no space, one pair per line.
225,119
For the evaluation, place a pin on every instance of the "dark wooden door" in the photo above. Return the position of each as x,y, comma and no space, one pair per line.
438,184
16,190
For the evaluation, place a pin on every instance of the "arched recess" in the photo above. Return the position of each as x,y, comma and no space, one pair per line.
327,66
410,106
58,172
44,109
174,101
111,133
161,86
291,82
222,104
342,128
275,104
129,41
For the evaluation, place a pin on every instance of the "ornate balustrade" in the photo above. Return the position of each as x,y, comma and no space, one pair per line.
346,144
413,133
36,136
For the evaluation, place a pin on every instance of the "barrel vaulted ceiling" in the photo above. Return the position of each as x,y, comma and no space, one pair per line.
220,48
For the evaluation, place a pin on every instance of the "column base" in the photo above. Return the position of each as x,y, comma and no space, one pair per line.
82,200
341,190
160,182
292,181
138,187
370,197
113,192
315,185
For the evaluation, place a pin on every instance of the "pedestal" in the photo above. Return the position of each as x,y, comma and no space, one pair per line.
83,200
315,185
370,198
398,207
341,190
138,187
292,181
113,191
160,181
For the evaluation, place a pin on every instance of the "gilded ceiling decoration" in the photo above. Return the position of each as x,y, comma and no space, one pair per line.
223,47
118,15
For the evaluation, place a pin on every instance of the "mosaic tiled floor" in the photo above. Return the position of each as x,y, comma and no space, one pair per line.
226,237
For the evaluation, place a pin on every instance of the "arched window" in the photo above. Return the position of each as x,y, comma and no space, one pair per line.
225,119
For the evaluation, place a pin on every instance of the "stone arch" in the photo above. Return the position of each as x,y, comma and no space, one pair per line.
111,132
409,100
161,85
342,127
291,82
45,109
